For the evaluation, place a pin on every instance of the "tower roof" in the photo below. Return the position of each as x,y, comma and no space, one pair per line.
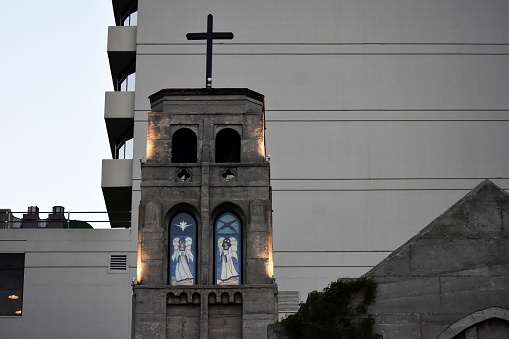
207,100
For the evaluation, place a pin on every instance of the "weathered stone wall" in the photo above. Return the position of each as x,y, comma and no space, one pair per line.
158,306
207,190
455,267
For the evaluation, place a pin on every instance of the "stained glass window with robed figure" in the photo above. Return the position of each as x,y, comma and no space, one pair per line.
182,250
228,249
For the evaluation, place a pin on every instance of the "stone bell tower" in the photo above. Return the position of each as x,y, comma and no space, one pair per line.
205,235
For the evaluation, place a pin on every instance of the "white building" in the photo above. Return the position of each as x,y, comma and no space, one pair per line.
65,283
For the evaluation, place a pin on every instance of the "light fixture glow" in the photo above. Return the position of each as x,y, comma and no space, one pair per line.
270,267
261,142
151,138
139,265
150,149
13,297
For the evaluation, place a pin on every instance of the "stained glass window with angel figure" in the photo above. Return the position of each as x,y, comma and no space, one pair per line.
182,250
228,251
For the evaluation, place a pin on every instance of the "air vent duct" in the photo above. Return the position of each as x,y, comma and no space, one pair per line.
118,262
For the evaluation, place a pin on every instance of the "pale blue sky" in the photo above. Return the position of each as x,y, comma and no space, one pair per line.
54,69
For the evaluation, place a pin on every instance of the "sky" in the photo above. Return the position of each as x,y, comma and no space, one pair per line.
55,71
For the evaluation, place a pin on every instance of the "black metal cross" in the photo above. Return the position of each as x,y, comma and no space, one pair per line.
209,36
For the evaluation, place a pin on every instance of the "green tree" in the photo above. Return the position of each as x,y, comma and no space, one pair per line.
339,311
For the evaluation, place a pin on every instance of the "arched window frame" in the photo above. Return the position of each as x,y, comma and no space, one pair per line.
224,248
472,320
177,147
182,254
234,153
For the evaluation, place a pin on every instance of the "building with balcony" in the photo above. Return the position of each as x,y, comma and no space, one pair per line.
379,115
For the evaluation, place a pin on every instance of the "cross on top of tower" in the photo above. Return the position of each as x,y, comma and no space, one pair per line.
209,36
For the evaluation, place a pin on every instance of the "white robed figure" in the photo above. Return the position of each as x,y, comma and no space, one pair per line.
228,251
183,256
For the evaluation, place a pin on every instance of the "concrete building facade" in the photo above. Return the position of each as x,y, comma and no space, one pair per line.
451,280
380,114
75,283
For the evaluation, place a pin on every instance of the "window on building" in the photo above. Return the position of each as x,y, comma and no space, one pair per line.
12,267
127,82
182,250
184,146
130,15
124,146
228,249
227,146
126,79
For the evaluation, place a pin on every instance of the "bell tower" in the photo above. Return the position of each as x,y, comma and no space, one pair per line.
205,235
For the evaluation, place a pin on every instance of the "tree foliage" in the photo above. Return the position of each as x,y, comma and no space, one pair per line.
340,311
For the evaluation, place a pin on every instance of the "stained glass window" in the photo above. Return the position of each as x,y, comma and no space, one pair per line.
228,250
182,250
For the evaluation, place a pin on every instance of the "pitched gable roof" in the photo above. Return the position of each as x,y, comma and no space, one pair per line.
472,233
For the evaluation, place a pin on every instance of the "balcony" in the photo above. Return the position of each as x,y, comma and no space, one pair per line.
116,184
118,116
121,50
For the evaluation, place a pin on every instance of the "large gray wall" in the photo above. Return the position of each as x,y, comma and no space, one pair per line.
380,114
